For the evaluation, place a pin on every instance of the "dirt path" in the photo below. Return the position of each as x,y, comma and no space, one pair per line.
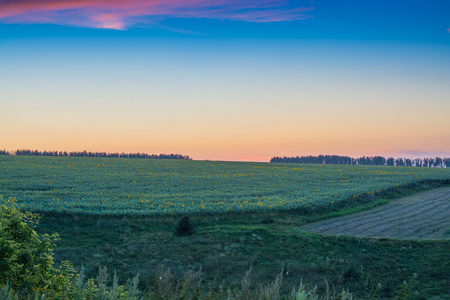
421,216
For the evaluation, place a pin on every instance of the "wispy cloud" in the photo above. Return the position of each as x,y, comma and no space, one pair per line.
448,30
120,14
419,153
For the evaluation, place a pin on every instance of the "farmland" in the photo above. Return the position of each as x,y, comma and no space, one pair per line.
109,186
421,216
122,213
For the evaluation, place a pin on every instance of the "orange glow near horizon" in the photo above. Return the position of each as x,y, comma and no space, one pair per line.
249,136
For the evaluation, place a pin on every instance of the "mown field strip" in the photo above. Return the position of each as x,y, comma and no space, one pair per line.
425,215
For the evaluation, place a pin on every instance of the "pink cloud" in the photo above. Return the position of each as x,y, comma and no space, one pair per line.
120,14
448,29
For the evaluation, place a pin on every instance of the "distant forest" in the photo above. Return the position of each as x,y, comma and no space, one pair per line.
436,162
93,154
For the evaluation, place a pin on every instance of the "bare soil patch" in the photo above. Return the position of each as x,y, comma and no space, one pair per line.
425,215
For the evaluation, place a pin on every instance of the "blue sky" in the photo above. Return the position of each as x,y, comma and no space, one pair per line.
407,21
232,81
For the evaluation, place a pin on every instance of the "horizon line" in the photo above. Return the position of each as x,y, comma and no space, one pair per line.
188,157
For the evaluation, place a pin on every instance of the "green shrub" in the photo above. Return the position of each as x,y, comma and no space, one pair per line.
26,258
184,227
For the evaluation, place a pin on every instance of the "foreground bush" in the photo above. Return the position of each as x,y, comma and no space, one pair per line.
184,227
26,259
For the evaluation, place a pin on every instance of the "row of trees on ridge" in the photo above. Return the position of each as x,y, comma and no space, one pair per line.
93,154
436,162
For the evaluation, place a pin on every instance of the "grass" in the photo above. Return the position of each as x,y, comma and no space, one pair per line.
224,247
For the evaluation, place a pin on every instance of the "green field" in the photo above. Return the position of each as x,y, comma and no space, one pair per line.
109,186
242,220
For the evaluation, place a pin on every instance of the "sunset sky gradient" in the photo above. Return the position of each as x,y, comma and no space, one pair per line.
226,79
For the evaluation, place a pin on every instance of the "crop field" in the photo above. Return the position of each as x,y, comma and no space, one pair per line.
421,216
99,186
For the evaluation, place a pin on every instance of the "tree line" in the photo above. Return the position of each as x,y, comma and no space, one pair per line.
28,152
436,162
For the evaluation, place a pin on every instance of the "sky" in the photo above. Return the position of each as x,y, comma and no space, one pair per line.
226,79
